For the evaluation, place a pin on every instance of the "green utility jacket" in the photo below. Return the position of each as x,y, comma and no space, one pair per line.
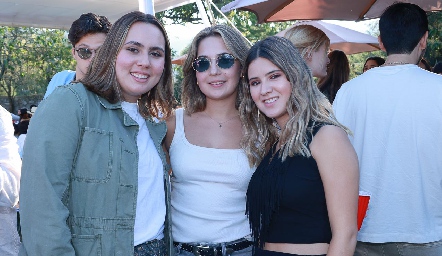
80,174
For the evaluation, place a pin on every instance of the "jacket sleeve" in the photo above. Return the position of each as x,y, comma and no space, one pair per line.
10,162
48,158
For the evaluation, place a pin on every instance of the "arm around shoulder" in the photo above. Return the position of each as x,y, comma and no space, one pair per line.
338,166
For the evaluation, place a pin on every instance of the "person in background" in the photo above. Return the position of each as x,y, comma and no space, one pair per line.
86,35
303,197
313,44
372,62
96,181
394,113
22,128
438,68
210,170
10,165
338,72
423,63
15,120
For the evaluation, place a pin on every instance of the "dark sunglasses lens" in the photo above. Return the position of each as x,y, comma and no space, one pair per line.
201,64
226,61
84,53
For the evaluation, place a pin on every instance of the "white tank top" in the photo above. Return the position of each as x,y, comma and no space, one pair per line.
208,190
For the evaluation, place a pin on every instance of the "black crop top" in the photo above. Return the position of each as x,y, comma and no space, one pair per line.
286,201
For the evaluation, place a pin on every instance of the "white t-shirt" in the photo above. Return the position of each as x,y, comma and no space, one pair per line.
151,206
395,113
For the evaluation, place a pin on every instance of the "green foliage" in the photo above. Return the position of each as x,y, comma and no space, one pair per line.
357,61
434,43
29,57
185,14
247,23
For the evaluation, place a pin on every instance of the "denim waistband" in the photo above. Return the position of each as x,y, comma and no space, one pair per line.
156,247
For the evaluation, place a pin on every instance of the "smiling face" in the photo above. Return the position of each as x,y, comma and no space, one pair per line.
217,83
318,61
92,42
140,62
270,89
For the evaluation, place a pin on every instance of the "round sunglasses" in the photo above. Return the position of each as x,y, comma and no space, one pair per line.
85,53
224,61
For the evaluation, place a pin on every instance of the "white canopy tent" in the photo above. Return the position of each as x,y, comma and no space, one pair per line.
61,13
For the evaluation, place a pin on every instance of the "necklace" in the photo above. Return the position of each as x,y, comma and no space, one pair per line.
395,63
220,123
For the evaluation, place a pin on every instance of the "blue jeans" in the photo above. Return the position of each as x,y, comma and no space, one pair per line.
398,249
151,248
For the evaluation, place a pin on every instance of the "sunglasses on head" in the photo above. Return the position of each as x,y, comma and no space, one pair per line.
224,61
85,53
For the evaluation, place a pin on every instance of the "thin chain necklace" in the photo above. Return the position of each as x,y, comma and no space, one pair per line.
220,123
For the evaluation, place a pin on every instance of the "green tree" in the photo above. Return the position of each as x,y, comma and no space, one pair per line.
246,22
434,43
29,57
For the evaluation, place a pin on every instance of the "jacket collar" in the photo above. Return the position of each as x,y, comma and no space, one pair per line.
128,121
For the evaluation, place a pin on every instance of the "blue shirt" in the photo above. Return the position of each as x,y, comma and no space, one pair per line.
61,78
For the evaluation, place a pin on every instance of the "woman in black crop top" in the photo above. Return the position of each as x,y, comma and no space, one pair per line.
302,199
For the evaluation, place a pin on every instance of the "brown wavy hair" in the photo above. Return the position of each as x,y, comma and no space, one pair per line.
101,76
338,72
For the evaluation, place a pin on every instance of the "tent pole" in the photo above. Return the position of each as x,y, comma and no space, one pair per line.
203,13
146,6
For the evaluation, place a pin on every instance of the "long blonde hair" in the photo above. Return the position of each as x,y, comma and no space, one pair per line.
192,98
307,39
306,105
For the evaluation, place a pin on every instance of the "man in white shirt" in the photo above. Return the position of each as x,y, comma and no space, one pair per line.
395,113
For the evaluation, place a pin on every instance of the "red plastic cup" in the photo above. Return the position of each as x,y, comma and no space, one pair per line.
364,199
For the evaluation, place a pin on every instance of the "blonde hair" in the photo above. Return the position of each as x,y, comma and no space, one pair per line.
192,98
306,106
307,39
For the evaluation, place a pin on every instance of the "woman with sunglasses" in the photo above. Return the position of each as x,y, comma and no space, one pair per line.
303,197
96,181
210,170
86,35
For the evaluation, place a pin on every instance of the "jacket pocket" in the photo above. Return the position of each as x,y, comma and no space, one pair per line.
87,244
94,159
